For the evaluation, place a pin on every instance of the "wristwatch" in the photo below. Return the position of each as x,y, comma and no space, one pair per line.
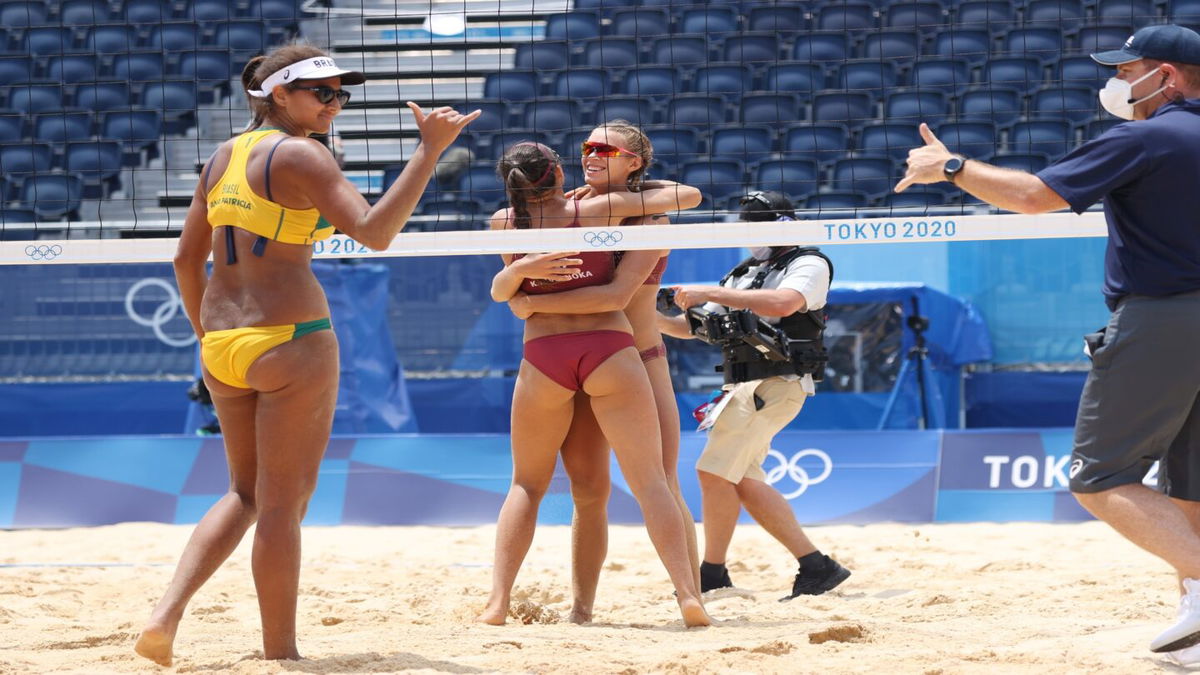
952,166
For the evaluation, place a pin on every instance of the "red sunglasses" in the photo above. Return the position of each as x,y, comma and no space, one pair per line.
589,148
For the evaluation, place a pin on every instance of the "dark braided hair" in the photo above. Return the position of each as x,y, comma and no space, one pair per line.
527,170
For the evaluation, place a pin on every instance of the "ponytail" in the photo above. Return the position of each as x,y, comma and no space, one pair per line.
516,185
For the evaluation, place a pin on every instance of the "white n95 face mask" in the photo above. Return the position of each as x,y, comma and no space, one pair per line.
1117,95
760,252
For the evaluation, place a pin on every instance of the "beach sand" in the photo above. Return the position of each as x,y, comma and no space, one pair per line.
946,598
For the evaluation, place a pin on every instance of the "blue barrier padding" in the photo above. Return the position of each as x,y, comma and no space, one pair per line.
93,408
1022,399
458,479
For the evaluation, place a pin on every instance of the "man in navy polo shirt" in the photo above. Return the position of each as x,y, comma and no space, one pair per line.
1141,402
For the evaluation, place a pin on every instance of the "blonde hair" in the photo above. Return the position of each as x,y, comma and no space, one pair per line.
635,140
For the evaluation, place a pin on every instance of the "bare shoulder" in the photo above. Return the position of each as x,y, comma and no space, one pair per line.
500,220
297,151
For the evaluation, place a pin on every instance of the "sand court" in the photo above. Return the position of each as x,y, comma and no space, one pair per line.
942,598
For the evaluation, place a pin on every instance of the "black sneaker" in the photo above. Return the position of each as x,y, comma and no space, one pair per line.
713,576
819,580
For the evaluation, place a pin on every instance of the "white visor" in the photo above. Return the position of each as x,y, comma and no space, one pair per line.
316,68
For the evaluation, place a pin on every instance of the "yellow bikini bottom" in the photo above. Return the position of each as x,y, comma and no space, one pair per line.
228,354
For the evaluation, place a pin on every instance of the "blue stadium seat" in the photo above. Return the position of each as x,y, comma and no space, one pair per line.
178,37
822,142
1099,126
696,110
98,163
1092,39
143,66
582,83
873,176
920,15
832,46
798,78
110,40
505,139
846,16
1077,104
146,12
103,96
890,139
673,145
210,11
748,144
717,179
35,98
604,5
1082,71
970,44
973,139
511,85
450,207
716,19
679,50
84,12
22,14
176,99
836,200
796,178
278,14
494,115
913,106
209,66
63,126
903,45
1030,162
17,69
72,68
1132,12
611,52
1184,12
479,182
778,18
1023,73
752,48
1053,137
137,130
548,114
635,109
868,75
48,41
579,25
725,79
987,15
653,81
241,36
640,23
542,56
19,160
1054,12
843,107
1002,105
915,197
770,108
12,216
949,76
52,196
1043,43
12,128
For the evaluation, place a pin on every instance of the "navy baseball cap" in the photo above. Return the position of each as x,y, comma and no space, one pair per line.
1161,43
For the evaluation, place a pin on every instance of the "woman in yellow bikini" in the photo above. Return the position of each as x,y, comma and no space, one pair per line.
270,358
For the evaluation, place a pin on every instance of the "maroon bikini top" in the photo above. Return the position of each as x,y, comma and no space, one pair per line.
597,269
656,274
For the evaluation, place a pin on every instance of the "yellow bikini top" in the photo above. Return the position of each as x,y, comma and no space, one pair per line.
232,202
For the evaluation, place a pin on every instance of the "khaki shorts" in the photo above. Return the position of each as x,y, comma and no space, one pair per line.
739,440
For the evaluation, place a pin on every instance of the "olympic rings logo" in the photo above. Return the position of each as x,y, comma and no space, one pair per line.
603,238
799,475
165,311
43,251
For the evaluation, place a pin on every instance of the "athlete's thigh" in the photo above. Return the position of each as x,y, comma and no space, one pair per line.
624,405
541,415
236,410
668,410
585,449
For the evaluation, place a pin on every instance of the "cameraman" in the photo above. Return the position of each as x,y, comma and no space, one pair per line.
752,412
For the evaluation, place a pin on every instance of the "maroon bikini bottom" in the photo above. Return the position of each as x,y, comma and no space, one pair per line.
569,358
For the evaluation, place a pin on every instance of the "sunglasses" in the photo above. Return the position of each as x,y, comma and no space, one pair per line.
588,148
326,94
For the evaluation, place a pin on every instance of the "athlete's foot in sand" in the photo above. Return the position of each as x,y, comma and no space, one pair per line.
155,643
494,614
580,615
694,614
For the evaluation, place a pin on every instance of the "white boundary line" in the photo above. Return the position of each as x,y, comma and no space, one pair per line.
936,229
